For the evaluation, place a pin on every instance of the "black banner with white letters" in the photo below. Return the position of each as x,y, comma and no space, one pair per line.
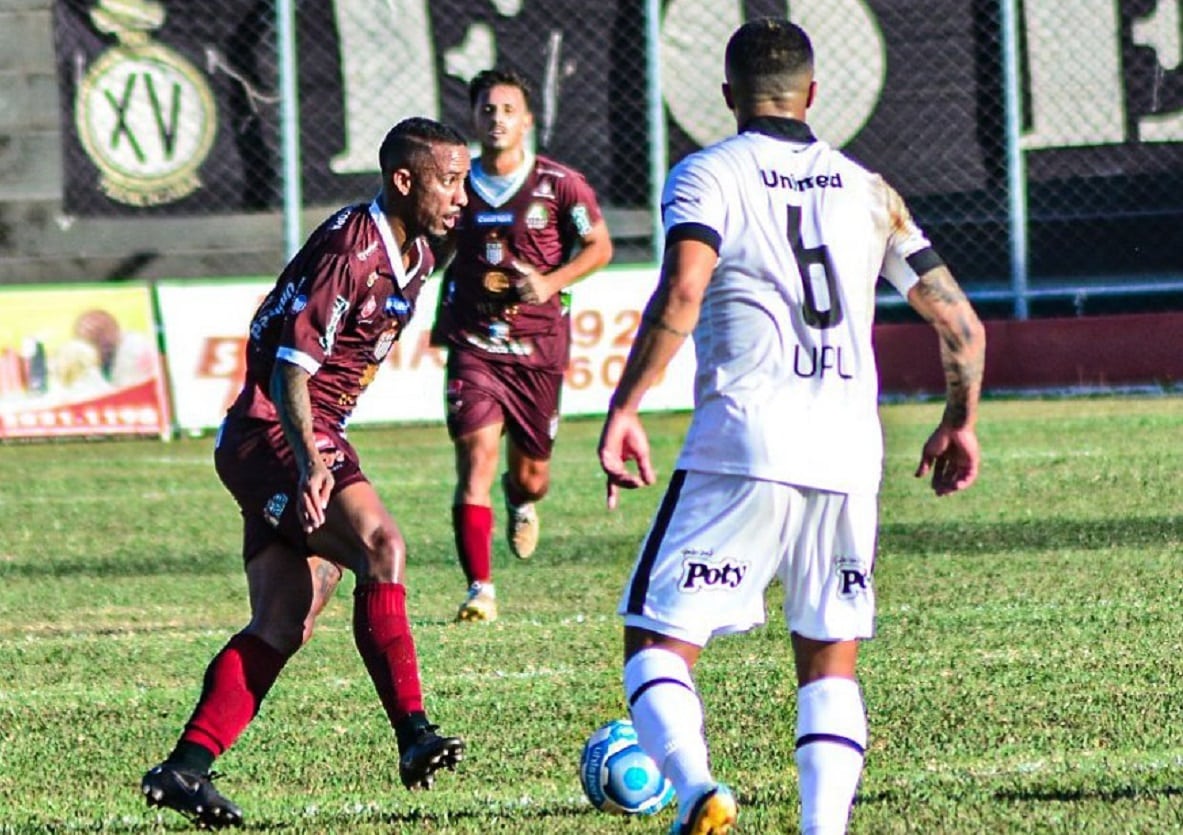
173,108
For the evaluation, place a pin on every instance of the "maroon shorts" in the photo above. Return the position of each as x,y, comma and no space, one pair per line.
254,461
525,400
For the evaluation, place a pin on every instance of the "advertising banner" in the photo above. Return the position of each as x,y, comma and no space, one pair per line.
205,326
80,361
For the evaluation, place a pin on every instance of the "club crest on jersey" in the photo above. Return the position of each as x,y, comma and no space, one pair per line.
702,571
853,577
368,308
537,216
385,343
494,250
273,510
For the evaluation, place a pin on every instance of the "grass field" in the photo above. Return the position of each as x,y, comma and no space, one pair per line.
1027,677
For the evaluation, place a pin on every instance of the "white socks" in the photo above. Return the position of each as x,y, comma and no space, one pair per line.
831,740
668,717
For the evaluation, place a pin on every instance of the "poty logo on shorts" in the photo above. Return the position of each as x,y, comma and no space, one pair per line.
699,574
853,578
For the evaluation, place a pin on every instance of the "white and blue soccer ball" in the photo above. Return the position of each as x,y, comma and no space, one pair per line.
618,776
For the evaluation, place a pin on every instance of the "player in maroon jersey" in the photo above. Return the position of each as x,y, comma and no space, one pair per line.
532,227
308,511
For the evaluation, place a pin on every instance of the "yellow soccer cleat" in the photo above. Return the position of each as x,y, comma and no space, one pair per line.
714,813
480,604
521,527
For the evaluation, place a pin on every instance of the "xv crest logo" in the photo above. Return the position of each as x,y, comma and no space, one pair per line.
144,114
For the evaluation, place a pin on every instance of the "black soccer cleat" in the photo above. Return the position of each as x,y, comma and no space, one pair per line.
192,794
426,755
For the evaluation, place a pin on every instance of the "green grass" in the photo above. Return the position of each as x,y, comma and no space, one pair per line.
1027,676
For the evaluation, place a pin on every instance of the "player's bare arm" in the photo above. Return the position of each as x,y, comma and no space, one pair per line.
951,453
669,317
289,393
595,251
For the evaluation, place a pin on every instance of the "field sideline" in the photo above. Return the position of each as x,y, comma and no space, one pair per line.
1027,677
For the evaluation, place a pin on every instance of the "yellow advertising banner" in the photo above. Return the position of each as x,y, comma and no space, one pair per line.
80,361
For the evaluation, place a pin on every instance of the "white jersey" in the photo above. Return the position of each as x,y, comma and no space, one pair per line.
786,388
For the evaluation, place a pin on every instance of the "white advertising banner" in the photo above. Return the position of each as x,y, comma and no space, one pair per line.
205,325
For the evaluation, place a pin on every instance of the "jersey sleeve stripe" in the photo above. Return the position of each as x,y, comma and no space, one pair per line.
694,232
298,358
924,260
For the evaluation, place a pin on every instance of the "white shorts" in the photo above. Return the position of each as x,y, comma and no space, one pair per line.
718,541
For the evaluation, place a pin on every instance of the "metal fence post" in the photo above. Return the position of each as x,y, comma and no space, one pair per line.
1015,165
657,138
289,107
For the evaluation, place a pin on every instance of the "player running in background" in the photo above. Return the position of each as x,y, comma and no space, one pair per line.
531,229
774,244
308,510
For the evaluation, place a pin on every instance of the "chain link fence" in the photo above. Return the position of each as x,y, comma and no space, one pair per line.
174,109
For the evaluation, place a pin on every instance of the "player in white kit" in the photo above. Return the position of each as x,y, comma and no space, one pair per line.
774,244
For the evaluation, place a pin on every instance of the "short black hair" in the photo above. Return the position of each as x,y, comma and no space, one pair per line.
487,79
766,54
410,140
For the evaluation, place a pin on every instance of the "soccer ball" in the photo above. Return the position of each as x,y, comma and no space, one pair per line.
618,776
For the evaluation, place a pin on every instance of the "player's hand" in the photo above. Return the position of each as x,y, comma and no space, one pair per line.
531,285
623,440
953,457
315,488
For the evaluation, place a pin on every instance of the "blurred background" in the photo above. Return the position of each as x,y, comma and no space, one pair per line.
1040,144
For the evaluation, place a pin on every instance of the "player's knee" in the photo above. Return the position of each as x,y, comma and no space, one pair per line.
532,483
386,554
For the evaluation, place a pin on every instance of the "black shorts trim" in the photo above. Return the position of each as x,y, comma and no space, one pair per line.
640,584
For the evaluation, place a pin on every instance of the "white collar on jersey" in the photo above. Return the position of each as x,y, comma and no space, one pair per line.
392,251
495,189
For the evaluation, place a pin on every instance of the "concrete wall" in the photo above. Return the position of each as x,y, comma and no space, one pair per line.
39,242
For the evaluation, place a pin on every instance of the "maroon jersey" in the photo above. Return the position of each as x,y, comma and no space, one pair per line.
335,311
539,223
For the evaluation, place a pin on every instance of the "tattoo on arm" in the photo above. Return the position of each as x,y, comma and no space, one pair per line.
944,304
938,286
963,359
659,323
